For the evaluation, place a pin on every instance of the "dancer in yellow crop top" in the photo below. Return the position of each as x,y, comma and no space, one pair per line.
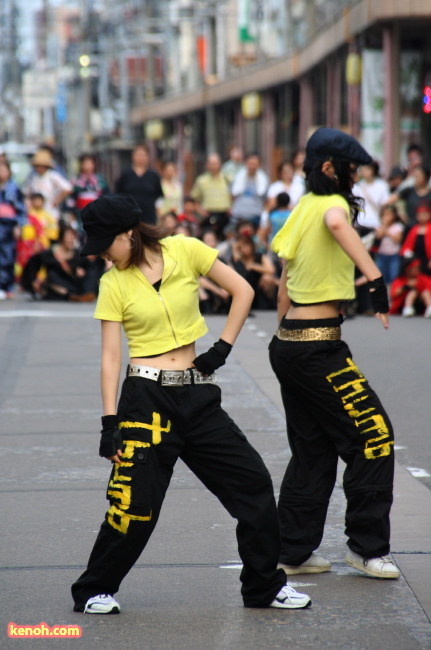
169,406
331,410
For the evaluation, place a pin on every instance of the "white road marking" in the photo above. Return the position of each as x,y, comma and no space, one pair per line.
261,335
45,314
418,472
398,447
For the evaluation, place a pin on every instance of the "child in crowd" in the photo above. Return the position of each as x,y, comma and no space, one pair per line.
36,209
418,240
388,239
190,215
273,221
411,290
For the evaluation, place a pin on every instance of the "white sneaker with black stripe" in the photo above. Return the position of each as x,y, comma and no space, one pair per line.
376,567
102,604
288,598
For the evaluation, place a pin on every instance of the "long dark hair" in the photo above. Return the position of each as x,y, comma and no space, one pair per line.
144,236
320,184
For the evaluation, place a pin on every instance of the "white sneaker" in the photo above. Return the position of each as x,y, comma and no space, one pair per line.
288,598
408,311
376,567
427,313
2,294
102,604
314,564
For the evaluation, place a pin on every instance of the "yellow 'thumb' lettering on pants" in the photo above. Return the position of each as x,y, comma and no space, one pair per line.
118,488
371,450
378,450
356,384
120,520
155,427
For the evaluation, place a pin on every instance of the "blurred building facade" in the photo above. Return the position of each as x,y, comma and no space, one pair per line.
193,76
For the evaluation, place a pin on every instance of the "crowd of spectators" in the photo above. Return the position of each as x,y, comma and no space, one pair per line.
232,206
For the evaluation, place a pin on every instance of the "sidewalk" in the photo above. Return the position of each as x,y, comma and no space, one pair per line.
184,592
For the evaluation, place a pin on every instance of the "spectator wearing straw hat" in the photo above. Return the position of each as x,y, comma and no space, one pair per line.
45,180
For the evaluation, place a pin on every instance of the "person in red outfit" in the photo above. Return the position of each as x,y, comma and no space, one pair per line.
411,290
418,240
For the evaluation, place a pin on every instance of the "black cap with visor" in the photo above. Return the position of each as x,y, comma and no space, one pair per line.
107,217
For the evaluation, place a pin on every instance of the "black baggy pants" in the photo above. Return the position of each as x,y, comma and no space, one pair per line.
160,424
331,411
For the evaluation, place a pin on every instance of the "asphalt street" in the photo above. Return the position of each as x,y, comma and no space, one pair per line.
184,591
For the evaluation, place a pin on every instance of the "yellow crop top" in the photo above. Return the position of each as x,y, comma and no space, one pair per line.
158,321
317,267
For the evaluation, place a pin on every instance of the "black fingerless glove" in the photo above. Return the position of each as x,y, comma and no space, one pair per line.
111,438
216,356
379,296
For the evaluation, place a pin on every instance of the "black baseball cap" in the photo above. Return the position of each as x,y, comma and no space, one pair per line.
107,217
327,143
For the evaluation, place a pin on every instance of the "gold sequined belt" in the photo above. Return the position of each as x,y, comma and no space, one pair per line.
309,334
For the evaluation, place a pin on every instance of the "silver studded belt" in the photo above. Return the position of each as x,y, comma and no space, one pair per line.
170,377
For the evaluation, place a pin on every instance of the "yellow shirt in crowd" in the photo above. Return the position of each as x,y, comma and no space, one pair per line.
212,192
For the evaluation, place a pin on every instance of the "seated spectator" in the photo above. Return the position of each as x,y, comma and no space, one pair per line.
389,236
183,229
257,269
66,272
418,241
411,290
169,222
190,215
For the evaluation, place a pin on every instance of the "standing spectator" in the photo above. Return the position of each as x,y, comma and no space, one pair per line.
172,200
232,166
411,290
415,159
249,189
418,241
389,235
287,182
47,181
12,217
395,178
88,185
375,191
298,159
142,183
416,194
211,191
